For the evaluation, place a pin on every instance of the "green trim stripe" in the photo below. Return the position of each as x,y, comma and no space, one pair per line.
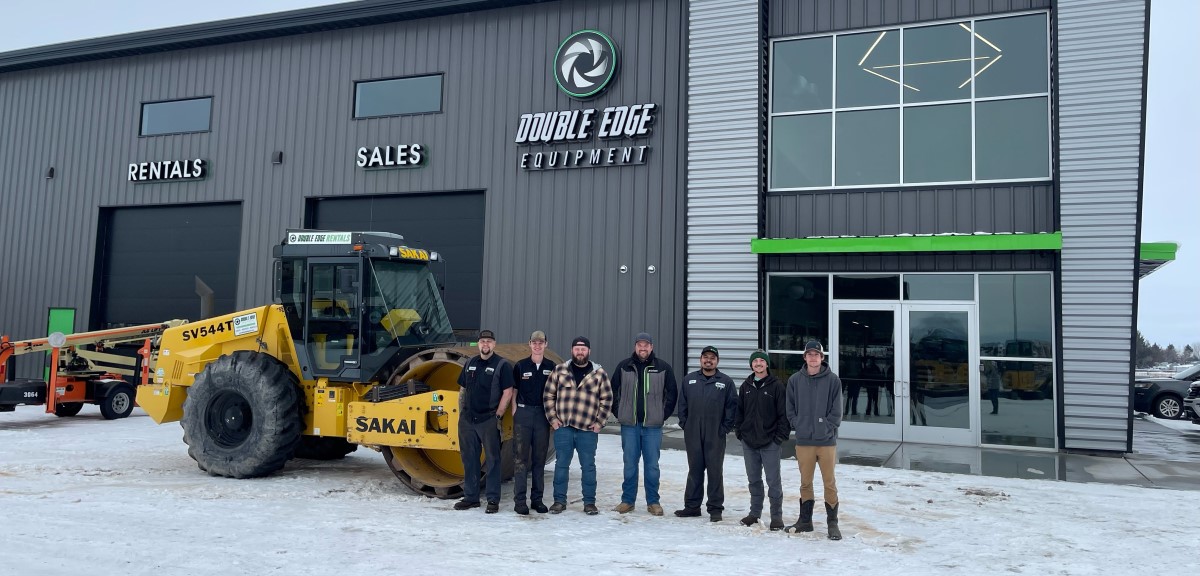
964,243
1159,251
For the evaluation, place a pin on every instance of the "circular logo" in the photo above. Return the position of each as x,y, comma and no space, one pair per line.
585,63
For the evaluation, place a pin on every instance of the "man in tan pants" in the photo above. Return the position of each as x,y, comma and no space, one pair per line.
814,410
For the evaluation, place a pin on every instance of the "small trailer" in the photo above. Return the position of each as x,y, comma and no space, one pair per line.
83,372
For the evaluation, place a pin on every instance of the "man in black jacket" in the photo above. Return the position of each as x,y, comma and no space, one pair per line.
644,393
762,426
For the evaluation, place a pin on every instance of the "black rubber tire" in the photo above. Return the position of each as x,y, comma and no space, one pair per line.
119,402
1168,407
67,409
242,416
323,448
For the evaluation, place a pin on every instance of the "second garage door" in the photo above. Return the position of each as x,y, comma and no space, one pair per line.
450,224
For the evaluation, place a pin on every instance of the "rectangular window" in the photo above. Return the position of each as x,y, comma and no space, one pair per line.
957,102
398,96
176,116
797,311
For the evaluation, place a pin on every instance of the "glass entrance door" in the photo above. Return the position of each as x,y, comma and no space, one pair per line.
909,372
863,353
941,379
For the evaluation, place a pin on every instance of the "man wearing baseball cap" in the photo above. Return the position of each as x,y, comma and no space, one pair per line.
814,410
487,382
707,408
578,397
531,431
762,426
644,394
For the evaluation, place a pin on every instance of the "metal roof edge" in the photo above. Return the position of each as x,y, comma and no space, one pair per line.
274,25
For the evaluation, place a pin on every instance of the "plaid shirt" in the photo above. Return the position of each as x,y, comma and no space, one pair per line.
578,405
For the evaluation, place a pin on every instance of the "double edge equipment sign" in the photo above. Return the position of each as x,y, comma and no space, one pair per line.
167,170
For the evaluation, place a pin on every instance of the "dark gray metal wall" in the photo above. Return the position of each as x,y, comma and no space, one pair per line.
791,17
294,94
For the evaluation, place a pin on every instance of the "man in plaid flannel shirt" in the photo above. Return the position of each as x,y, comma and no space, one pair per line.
578,398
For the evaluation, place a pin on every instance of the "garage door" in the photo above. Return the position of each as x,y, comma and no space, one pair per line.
450,224
157,263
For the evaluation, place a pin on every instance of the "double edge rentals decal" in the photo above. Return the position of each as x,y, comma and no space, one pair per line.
563,126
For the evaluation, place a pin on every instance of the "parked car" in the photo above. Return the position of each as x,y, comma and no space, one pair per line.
1191,404
1164,397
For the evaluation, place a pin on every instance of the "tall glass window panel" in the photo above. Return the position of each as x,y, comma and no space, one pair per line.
939,287
937,63
176,116
801,151
802,75
1012,139
937,143
798,311
1017,404
416,95
1011,56
1016,316
867,147
867,71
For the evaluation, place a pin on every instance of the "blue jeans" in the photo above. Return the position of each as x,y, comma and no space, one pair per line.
640,442
568,440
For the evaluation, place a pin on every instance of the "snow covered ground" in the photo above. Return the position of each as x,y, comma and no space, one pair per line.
87,496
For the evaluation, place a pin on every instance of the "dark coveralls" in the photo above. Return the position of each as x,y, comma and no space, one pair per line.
531,430
707,409
483,383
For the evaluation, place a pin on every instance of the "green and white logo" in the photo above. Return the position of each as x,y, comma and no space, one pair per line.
585,63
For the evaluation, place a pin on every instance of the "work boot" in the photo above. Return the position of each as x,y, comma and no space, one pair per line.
804,522
590,509
688,513
558,507
623,508
539,507
714,517
835,533
521,508
749,520
776,523
464,504
655,509
492,507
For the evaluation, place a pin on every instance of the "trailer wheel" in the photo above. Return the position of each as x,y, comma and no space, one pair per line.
323,448
118,403
67,409
242,417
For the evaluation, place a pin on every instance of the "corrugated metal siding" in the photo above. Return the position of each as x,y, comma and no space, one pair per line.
554,241
913,262
1100,64
967,209
794,17
723,180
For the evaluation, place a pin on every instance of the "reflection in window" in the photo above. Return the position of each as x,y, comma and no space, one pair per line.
415,95
176,117
797,311
928,104
1017,403
1016,315
939,287
866,287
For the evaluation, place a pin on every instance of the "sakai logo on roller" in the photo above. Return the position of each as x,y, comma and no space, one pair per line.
385,425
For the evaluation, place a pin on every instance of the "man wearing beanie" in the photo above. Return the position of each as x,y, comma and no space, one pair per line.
644,393
762,426
814,410
578,397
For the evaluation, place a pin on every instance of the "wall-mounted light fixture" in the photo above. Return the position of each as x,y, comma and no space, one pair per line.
277,157
50,173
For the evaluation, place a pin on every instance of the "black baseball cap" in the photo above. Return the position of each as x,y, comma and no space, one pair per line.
486,334
581,341
712,349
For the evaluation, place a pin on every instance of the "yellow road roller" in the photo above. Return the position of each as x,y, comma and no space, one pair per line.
356,350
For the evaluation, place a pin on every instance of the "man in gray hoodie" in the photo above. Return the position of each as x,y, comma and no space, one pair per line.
814,410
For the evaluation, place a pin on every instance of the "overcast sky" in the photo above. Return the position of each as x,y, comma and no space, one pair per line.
1170,298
